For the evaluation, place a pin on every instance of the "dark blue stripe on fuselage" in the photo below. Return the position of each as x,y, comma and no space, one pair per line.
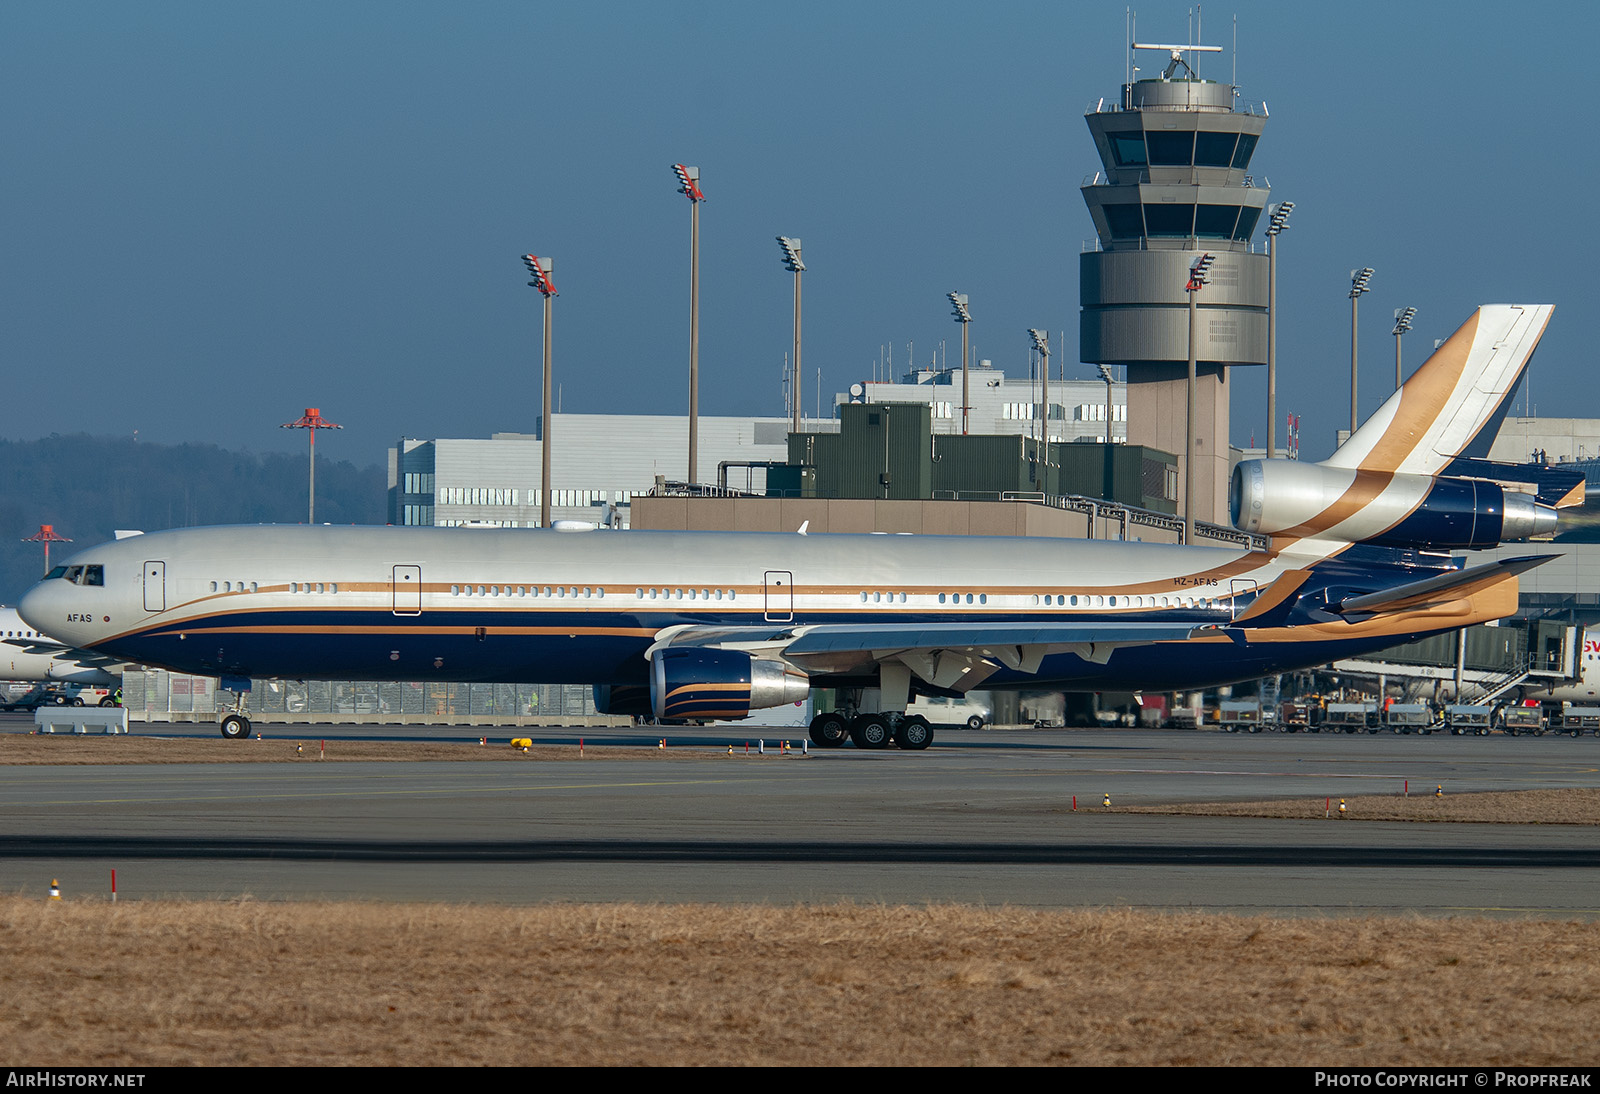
408,648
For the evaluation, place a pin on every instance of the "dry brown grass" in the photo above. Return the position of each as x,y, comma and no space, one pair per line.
150,983
1565,806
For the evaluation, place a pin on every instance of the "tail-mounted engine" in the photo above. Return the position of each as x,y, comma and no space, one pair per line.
1309,500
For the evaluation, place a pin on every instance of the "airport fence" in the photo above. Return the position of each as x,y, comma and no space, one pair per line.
155,695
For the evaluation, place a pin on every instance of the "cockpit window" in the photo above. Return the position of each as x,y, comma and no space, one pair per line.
55,573
94,575
74,574
79,575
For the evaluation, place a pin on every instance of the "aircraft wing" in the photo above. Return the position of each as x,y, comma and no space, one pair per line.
87,658
951,656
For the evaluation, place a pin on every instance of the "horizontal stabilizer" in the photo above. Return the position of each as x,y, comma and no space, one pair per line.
1558,487
1436,590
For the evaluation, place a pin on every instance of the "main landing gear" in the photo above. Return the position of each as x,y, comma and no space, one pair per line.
910,732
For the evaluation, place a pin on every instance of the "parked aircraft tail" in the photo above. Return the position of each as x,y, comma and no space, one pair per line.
1387,485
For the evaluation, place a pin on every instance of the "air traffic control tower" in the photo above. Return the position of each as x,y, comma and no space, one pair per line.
1176,185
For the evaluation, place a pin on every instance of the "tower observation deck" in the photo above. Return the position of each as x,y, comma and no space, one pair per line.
1176,184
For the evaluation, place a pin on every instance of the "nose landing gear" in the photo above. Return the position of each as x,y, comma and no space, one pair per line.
235,724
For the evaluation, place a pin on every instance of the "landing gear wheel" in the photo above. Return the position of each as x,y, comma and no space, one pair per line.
975,722
829,730
235,726
870,731
914,734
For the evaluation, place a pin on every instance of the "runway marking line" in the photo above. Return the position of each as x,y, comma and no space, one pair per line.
369,793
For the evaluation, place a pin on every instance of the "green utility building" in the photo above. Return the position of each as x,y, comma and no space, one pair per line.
889,451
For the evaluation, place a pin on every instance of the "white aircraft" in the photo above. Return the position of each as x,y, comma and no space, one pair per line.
686,625
25,654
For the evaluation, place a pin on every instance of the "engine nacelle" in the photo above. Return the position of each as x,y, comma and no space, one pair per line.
1286,497
694,682
70,672
627,700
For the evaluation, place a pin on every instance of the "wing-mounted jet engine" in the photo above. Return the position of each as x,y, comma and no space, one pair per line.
692,683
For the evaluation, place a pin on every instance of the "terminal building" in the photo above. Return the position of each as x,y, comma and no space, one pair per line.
602,462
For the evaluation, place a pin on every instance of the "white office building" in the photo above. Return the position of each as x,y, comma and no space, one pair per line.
598,462
1079,409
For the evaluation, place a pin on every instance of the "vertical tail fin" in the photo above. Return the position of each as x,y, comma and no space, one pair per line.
1454,403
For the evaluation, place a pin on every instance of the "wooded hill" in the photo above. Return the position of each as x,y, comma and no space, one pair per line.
87,487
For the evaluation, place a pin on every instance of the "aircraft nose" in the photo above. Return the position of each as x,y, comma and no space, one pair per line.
44,608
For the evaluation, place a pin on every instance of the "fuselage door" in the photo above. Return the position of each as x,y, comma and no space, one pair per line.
155,586
780,596
1244,592
407,588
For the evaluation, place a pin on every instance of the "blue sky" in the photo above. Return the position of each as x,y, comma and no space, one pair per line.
219,214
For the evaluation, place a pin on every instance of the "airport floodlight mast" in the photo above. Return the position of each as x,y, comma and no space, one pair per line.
1041,342
46,535
1277,222
540,270
1360,282
792,263
958,304
312,421
1402,323
689,187
1199,275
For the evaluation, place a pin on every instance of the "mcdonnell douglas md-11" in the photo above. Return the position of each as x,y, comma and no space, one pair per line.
714,625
